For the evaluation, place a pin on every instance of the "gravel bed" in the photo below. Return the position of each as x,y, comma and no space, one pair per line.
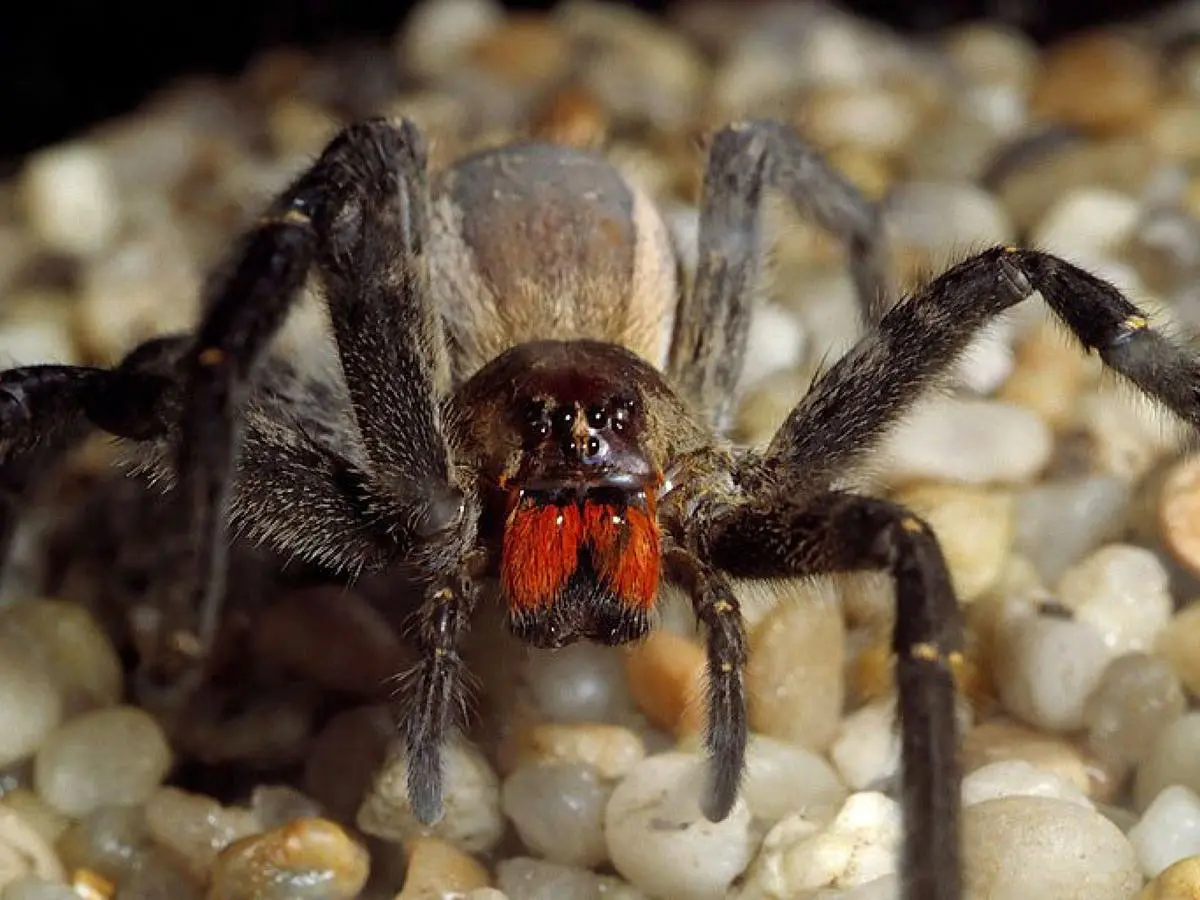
1068,512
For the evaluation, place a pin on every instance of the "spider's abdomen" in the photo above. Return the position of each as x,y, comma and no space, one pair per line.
535,241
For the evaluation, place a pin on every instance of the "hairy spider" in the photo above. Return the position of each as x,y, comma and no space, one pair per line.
528,399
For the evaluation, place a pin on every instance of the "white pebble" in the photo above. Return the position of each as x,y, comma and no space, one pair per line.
31,887
471,801
110,757
1172,759
1059,521
1168,831
1018,848
988,360
1017,778
583,682
1137,697
30,703
522,878
858,847
438,33
776,341
1087,221
1123,592
1047,667
946,219
659,839
558,810
968,440
70,198
866,751
783,778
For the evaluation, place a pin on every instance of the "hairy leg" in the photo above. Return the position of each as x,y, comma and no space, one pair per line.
709,343
853,405
727,732
839,532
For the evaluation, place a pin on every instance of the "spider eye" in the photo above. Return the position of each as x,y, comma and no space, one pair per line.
564,418
535,418
594,450
597,417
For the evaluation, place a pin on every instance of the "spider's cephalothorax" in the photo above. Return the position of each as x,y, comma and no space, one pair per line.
527,397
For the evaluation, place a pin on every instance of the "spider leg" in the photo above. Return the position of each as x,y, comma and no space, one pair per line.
709,342
838,532
855,403
726,734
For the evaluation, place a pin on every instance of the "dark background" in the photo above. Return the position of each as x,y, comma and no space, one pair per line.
65,63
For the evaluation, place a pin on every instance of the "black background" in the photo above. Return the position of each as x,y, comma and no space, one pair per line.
65,63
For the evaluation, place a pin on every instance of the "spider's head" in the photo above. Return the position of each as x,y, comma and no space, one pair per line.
577,475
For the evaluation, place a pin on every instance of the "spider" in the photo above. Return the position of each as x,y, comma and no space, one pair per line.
530,405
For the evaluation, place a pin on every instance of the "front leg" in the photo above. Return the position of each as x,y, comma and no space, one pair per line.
839,532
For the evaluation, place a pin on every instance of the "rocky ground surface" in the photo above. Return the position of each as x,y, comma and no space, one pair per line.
1069,513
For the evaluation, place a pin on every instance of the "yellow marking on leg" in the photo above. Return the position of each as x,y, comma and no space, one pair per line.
1011,249
211,356
927,651
912,525
288,217
1135,323
722,607
726,667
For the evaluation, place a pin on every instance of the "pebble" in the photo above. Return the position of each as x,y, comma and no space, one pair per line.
437,869
309,859
523,878
558,810
109,757
975,527
991,53
1016,848
1018,778
1177,645
1123,592
939,222
71,201
1180,881
345,756
1130,433
1137,696
1046,667
437,33
782,778
23,851
967,440
866,751
666,676
31,705
795,678
1060,520
41,816
1171,760
660,841
583,682
112,842
858,847
611,750
1098,81
193,828
778,340
471,797
72,646
1049,374
1168,831
870,118
1087,222
1179,511
1001,739
31,887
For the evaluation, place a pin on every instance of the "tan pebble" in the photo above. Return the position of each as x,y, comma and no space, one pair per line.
611,749
299,127
666,678
1049,375
524,51
1001,739
1175,131
1178,645
437,869
44,818
975,527
1179,881
285,862
869,119
869,172
1098,81
192,829
795,678
92,886
23,851
1179,511
572,117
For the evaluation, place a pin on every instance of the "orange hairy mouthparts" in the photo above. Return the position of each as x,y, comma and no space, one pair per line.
544,544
